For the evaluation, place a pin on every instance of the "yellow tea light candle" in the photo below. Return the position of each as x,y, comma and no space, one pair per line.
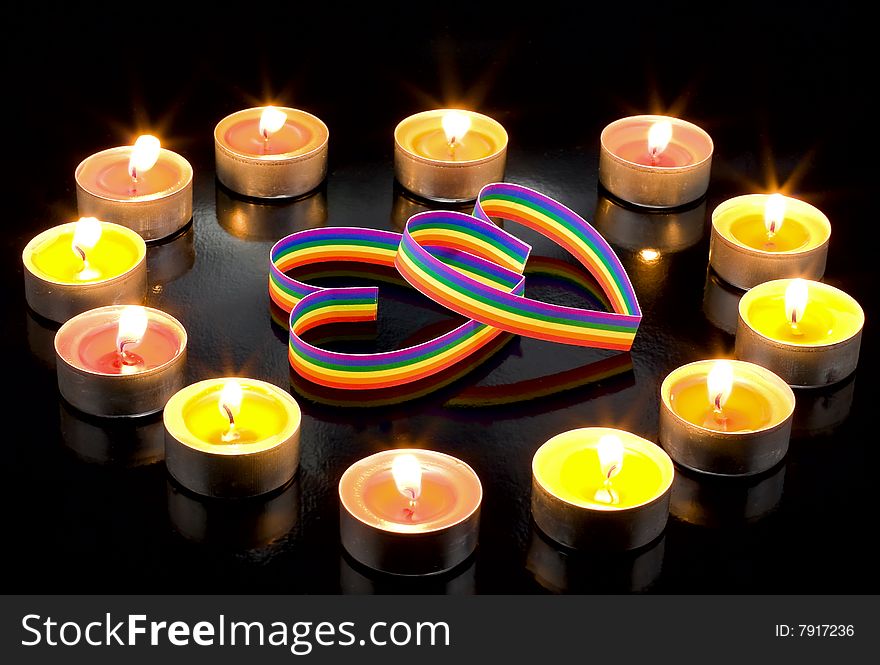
232,437
807,332
449,154
759,237
271,152
725,417
655,161
81,265
142,186
601,488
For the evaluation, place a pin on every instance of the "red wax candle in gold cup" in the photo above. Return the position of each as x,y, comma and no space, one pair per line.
410,512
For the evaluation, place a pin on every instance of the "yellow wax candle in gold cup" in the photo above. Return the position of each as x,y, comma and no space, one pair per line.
601,488
271,152
760,237
725,417
81,265
232,437
142,186
808,332
449,154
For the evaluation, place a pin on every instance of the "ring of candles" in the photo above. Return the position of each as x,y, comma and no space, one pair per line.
271,152
758,237
725,417
81,265
807,332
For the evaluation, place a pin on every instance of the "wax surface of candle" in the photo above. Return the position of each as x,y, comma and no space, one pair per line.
244,136
581,477
113,255
824,320
637,151
108,175
260,417
97,349
438,498
752,231
434,145
746,408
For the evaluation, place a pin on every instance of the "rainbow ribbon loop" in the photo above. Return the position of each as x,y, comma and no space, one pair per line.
465,263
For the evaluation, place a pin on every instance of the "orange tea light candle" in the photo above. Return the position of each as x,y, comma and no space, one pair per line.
271,152
759,237
232,437
410,511
655,161
449,154
601,488
142,186
807,332
81,265
725,417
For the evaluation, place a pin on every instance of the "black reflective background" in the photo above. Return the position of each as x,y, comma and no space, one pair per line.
784,94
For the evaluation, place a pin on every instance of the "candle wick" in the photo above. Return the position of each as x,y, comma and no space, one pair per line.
772,230
126,357
231,434
82,255
230,416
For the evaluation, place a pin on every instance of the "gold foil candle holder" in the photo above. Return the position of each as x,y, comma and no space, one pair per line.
640,229
826,348
430,166
749,435
743,254
721,303
246,167
680,174
122,442
269,220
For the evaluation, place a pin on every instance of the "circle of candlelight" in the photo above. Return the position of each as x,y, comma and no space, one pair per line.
153,216
445,178
432,546
708,449
231,469
101,393
655,186
269,176
745,266
586,523
802,365
59,299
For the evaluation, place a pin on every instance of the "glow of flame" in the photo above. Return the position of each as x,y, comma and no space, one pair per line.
455,125
132,326
610,450
144,155
796,297
649,255
86,234
720,383
659,136
230,398
774,213
271,120
407,473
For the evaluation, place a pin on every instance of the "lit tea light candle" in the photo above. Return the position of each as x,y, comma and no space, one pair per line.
601,488
81,265
143,186
121,360
807,332
759,237
410,512
232,437
655,161
271,152
725,417
449,154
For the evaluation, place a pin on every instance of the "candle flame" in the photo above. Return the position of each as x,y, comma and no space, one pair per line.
796,296
86,234
720,384
774,213
649,255
132,327
610,450
455,125
659,136
407,474
230,400
144,155
271,120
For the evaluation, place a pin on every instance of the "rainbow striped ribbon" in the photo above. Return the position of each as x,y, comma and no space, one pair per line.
463,262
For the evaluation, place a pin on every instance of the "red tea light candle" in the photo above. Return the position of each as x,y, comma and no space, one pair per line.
655,161
449,154
725,417
271,152
81,265
759,237
143,186
807,332
599,488
410,512
232,437
120,360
